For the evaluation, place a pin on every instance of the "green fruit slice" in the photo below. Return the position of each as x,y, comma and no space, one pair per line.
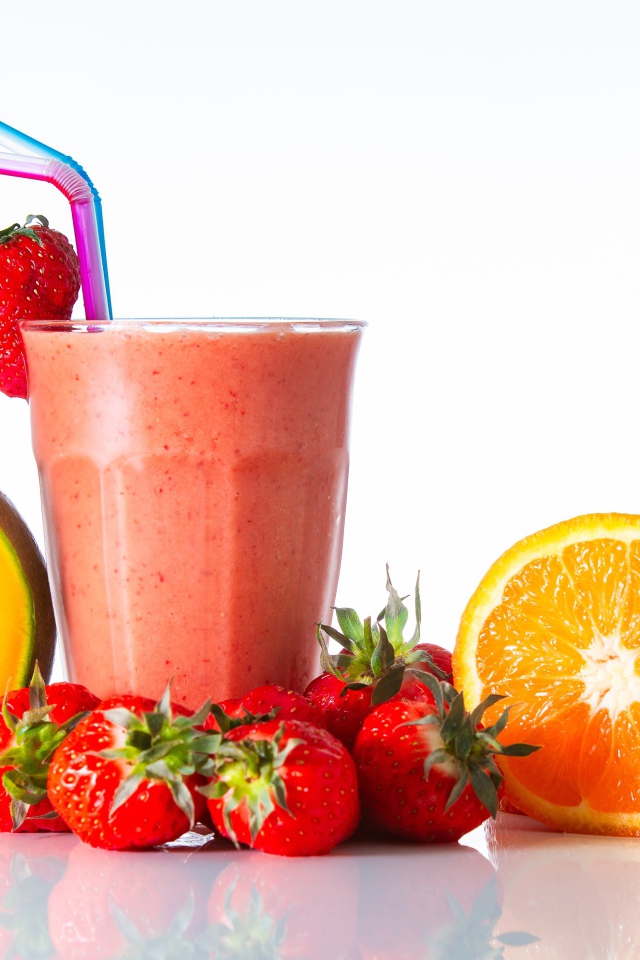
27,625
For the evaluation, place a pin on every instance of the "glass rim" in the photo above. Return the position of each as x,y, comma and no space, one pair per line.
218,324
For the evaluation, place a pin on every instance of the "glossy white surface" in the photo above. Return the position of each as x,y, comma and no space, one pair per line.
532,895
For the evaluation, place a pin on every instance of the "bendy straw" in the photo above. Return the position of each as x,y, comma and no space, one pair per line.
26,157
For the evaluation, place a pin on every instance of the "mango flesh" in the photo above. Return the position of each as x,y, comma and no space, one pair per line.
27,624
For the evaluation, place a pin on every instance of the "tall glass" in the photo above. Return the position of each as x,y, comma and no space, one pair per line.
194,478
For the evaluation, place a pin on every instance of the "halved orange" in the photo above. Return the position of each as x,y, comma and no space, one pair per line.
555,627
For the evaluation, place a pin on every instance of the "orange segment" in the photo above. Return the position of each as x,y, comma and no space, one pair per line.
555,627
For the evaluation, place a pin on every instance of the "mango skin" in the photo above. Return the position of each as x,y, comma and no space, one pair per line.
34,572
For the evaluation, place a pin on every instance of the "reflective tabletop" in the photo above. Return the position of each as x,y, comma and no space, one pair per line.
513,891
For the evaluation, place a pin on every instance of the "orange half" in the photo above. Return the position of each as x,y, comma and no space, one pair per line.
555,627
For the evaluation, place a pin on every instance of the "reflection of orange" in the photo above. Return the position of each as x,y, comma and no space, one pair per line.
579,895
555,627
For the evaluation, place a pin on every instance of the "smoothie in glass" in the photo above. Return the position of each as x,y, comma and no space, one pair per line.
194,478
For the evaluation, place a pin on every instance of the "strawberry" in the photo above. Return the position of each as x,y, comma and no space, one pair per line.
284,787
39,280
377,664
126,776
265,703
36,721
427,771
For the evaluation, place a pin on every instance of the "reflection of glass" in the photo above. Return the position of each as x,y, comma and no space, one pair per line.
194,479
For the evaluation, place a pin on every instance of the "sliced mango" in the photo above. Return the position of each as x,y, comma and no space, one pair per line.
27,625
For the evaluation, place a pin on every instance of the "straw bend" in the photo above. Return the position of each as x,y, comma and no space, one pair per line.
35,161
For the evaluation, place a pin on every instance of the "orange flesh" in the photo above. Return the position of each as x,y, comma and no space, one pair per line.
533,647
16,617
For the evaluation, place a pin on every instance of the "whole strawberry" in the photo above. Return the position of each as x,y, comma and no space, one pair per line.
284,787
427,772
39,280
265,703
376,665
126,776
37,719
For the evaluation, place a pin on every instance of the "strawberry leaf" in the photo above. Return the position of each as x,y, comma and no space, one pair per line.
388,685
458,787
478,713
126,789
121,717
383,655
418,608
485,790
37,691
183,798
350,623
518,750
451,723
369,642
395,615
18,811
340,637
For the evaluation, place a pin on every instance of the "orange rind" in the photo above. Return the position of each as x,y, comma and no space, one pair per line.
554,626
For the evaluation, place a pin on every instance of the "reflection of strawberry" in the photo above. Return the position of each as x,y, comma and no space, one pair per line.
376,665
126,776
36,721
283,787
427,772
107,905
438,906
288,909
30,867
39,280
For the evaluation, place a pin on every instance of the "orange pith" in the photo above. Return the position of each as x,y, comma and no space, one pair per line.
555,627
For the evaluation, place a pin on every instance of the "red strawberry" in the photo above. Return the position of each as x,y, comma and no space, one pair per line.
126,777
39,280
377,665
284,787
427,771
267,702
36,721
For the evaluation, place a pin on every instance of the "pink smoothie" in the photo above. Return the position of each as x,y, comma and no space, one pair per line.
193,479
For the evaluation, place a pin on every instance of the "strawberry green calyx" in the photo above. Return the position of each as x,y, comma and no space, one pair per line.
15,230
376,653
226,722
35,739
472,750
161,747
248,771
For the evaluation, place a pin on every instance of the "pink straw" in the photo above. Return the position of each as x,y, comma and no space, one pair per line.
86,222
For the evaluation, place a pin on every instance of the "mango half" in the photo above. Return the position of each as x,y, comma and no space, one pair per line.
27,624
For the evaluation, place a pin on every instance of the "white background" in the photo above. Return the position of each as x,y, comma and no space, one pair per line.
463,174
